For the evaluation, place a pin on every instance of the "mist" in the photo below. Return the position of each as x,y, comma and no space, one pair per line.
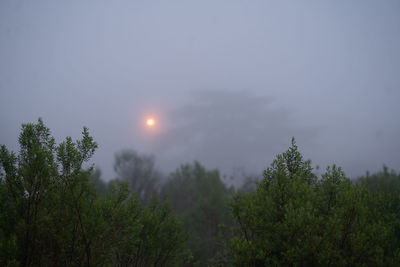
230,81
199,133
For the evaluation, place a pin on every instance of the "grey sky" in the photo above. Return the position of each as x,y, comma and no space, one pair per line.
326,72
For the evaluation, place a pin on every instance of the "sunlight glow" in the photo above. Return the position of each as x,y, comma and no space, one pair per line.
150,122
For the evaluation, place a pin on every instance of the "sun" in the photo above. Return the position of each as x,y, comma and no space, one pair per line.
150,122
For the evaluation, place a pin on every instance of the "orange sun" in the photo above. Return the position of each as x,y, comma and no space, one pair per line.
150,122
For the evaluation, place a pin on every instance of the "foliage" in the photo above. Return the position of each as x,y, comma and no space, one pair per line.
294,219
385,185
199,196
99,184
384,181
51,214
56,212
161,238
139,172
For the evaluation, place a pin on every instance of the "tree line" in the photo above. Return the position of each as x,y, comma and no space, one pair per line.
55,210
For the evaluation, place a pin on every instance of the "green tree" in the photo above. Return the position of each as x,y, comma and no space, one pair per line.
100,185
30,179
199,197
294,219
161,239
139,172
51,214
8,237
384,181
385,185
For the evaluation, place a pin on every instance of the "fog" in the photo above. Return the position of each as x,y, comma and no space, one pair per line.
230,82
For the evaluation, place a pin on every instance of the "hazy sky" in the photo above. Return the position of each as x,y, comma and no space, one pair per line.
230,82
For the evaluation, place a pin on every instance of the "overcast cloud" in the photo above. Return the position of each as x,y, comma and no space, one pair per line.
230,81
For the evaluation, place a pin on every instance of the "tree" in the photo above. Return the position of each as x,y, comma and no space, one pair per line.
29,179
294,219
100,185
198,196
51,214
139,172
161,239
384,181
385,186
8,237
